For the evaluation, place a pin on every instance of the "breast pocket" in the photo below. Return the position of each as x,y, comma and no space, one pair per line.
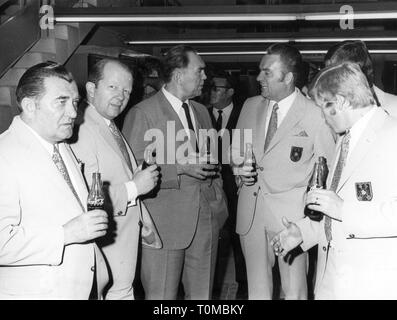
300,148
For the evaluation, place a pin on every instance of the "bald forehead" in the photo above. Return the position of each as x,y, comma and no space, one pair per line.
114,67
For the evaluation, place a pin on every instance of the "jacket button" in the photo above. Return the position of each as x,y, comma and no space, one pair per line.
260,168
255,194
93,268
120,213
325,248
351,235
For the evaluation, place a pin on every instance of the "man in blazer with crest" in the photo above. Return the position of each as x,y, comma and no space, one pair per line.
288,135
101,148
46,234
189,207
357,236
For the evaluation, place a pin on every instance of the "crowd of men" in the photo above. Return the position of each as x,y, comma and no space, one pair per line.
162,223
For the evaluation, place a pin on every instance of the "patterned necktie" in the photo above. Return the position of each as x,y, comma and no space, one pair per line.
218,124
56,157
120,142
189,120
272,128
335,180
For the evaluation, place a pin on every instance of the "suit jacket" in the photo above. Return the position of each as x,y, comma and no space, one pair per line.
98,150
364,265
285,168
387,101
35,202
175,207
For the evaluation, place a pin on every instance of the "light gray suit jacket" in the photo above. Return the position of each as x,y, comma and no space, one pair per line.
286,166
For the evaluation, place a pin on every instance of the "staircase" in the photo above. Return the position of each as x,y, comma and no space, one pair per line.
55,45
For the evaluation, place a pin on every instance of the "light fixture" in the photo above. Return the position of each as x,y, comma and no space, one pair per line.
177,18
247,40
228,53
350,16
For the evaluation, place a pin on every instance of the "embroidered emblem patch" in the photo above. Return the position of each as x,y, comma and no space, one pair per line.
364,191
296,153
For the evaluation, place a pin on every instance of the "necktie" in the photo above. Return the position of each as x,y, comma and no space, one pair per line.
335,180
272,128
218,124
189,120
56,157
120,142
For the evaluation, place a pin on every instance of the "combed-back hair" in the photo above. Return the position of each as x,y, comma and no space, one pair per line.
31,84
290,57
176,57
345,79
95,74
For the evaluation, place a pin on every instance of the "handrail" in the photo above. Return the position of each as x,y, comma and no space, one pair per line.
18,34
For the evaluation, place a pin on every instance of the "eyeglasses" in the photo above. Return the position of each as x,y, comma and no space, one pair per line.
216,87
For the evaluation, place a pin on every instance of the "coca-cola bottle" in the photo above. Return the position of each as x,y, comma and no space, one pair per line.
249,157
149,158
96,197
317,181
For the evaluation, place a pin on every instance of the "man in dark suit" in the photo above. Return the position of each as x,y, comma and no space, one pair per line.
189,207
224,113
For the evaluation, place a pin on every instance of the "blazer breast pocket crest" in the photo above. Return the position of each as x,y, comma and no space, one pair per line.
296,153
364,191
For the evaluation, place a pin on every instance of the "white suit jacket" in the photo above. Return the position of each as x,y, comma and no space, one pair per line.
286,166
363,261
35,202
387,101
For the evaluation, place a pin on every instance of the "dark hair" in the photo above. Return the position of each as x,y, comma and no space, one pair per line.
31,84
289,55
231,80
176,57
95,73
353,51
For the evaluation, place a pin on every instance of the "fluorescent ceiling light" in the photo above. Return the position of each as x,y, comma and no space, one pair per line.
352,16
220,41
178,18
228,53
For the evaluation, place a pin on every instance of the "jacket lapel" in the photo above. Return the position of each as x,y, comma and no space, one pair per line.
294,115
259,138
363,146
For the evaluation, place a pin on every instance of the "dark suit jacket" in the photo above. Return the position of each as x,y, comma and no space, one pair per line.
176,205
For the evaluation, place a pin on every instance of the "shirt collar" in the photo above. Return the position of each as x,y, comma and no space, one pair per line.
47,145
286,103
225,111
107,121
175,102
359,126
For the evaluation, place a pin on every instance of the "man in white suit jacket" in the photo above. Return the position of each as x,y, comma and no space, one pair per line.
108,90
357,238
284,167
45,231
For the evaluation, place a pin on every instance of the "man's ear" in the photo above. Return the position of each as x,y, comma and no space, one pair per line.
177,75
28,105
90,88
230,92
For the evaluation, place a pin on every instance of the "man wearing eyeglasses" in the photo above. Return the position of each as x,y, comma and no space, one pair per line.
224,113
357,237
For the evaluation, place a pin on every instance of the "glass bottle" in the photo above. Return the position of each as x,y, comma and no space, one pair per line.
96,197
249,157
149,158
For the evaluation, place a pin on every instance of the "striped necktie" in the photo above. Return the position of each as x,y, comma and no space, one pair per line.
335,180
120,142
272,127
185,107
60,164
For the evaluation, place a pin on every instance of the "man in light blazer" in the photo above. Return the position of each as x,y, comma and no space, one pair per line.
357,237
46,234
356,51
101,147
189,207
288,135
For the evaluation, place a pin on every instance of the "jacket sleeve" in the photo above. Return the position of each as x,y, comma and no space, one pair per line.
310,232
19,244
138,132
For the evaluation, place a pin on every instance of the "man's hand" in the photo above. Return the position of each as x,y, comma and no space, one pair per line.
86,227
145,180
325,201
248,177
197,167
287,239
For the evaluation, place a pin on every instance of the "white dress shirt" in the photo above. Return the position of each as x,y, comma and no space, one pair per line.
226,112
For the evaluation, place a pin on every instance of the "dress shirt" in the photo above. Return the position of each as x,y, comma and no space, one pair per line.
283,107
225,114
177,106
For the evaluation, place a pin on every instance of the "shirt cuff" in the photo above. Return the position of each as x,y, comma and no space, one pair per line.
132,193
